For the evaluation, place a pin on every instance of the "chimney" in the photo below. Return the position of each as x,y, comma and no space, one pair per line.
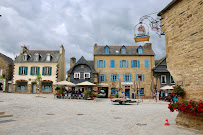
72,62
62,50
148,45
23,49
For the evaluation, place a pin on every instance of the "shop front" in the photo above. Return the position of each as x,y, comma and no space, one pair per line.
47,86
21,86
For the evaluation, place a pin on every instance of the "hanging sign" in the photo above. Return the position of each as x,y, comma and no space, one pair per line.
140,33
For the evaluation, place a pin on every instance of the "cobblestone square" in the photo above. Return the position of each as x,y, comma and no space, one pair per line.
42,114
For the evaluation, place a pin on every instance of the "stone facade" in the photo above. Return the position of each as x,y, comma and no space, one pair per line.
182,22
108,84
6,73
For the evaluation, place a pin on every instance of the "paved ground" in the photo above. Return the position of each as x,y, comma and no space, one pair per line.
45,115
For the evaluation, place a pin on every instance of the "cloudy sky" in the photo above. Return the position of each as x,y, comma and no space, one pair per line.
77,24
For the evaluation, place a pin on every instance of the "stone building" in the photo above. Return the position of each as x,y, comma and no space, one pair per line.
182,22
30,63
127,64
82,71
6,73
161,72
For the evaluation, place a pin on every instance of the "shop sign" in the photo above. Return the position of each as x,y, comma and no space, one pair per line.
127,83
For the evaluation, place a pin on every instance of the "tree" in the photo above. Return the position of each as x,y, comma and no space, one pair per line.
38,80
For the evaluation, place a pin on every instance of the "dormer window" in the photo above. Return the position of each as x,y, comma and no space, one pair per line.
140,50
48,57
36,57
106,49
123,50
24,57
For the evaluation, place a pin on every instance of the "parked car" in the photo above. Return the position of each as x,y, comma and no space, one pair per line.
102,93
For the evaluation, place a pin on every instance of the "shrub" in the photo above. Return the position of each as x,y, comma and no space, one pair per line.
178,91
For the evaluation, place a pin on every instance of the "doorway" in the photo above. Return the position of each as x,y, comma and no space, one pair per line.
127,93
1,86
33,88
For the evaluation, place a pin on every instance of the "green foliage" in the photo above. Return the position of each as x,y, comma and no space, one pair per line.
178,91
60,91
38,79
116,95
95,94
86,92
57,88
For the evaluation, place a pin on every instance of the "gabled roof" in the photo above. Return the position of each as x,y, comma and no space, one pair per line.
83,61
7,59
158,63
116,50
55,56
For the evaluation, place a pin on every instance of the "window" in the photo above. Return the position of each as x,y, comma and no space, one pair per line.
102,78
113,91
23,70
48,57
76,75
106,48
123,50
87,75
112,63
1,72
140,50
82,66
172,81
46,70
140,76
146,64
133,63
36,57
101,63
163,79
25,57
123,63
34,71
141,91
114,77
127,77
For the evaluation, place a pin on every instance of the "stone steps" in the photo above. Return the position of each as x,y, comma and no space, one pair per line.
2,114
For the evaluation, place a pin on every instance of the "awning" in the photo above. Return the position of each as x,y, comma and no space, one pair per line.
65,83
86,83
167,87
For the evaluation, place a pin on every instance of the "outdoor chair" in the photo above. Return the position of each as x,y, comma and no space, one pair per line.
66,96
80,96
69,96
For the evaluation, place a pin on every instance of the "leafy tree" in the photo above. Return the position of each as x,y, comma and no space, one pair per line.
38,80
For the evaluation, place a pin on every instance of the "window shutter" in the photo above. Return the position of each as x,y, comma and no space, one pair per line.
31,70
130,77
143,77
117,77
132,64
50,68
104,63
38,70
111,77
43,70
97,63
147,64
120,63
26,69
113,63
123,77
136,77
127,63
19,72
105,77
138,63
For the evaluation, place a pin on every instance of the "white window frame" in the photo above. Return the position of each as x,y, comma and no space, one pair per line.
162,80
23,70
87,74
77,75
1,72
114,77
24,57
171,80
122,65
48,58
36,57
140,51
46,70
34,70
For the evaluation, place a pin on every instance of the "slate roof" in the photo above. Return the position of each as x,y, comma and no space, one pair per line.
83,61
167,7
55,56
116,50
158,63
7,59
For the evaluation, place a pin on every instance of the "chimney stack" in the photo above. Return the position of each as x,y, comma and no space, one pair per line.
23,49
72,62
148,45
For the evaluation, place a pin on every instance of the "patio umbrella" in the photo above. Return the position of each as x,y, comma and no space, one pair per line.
167,87
158,85
65,83
86,83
